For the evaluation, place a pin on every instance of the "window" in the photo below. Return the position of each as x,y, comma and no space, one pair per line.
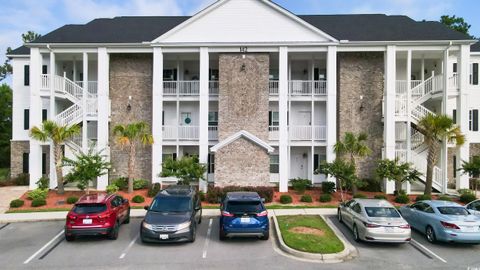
44,69
383,212
44,115
211,163
90,208
44,163
213,74
26,119
274,163
473,120
454,116
475,74
474,205
356,208
213,119
273,75
167,156
317,160
273,119
25,163
170,74
163,118
26,75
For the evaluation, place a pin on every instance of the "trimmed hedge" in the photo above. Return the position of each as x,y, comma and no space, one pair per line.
112,188
285,199
467,197
22,179
72,200
306,198
216,194
121,183
423,197
300,185
402,198
16,203
360,196
444,198
39,202
140,184
138,199
380,197
38,193
325,198
153,190
328,187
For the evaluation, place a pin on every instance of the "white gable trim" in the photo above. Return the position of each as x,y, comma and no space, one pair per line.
219,3
246,135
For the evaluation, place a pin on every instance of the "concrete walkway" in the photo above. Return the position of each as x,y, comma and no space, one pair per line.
60,215
7,194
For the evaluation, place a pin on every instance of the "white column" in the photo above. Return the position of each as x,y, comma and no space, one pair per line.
331,105
463,152
74,77
203,109
282,114
52,112
444,154
389,112
35,156
84,103
409,109
157,103
103,110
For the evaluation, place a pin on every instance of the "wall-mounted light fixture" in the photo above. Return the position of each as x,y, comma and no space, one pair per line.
186,72
129,105
243,67
361,103
305,71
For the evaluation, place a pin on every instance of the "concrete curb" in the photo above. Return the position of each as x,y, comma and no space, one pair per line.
349,252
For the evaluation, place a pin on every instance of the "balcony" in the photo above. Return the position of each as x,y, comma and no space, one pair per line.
188,88
300,133
213,88
213,133
300,88
183,133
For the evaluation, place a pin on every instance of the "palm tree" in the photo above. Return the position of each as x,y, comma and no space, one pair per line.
58,135
396,171
129,135
354,146
435,129
472,168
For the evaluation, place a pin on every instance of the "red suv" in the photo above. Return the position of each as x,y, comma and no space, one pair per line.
97,214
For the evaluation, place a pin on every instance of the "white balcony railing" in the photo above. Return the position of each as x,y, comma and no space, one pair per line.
273,133
182,88
92,86
188,133
453,82
273,88
213,133
213,88
303,133
303,88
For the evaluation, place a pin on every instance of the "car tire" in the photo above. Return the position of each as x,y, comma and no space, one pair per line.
339,216
356,236
193,234
70,238
127,219
430,234
222,235
265,236
200,219
113,234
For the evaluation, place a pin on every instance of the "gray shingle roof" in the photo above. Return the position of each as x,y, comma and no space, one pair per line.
362,27
475,47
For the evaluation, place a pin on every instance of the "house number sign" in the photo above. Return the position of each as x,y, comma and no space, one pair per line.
243,49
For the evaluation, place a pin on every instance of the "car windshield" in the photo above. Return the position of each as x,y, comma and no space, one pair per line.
91,208
454,211
171,204
382,212
244,207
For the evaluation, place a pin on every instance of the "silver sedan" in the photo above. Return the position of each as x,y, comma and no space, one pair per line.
374,221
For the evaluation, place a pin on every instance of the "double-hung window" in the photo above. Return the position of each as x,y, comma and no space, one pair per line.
213,119
273,119
274,163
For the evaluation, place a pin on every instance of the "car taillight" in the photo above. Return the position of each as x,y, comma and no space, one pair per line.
405,226
447,225
227,214
262,214
71,217
370,225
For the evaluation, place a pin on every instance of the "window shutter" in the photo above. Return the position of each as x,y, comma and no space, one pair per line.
44,115
25,163
44,69
270,118
44,163
26,119
475,73
454,67
475,120
26,75
454,116
315,162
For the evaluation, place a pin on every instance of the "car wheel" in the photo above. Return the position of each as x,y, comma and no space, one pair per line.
430,234
265,236
222,235
200,219
113,235
127,220
339,215
193,234
70,238
356,237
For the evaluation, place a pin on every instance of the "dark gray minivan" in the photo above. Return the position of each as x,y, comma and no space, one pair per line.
173,216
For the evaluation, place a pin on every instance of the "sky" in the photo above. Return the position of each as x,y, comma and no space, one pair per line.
43,16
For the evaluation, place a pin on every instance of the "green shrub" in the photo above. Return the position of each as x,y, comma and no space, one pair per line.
467,197
401,192
140,184
328,187
201,195
138,199
285,199
121,183
43,182
16,203
370,185
112,188
39,202
153,190
423,197
402,198
38,194
360,196
465,191
72,200
325,198
380,197
215,194
444,198
306,198
300,185
22,179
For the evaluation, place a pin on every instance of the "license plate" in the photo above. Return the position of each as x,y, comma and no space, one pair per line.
389,229
470,228
87,221
164,236
245,220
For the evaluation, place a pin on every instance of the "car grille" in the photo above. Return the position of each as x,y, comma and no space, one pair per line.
164,228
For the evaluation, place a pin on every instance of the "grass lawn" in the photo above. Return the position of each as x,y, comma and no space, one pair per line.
12,211
4,174
324,242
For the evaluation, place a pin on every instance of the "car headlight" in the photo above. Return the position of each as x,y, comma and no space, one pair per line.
147,226
184,225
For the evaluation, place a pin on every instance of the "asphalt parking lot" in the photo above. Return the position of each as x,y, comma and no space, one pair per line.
40,245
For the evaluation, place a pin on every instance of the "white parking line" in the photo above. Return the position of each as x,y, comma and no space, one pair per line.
125,251
44,247
209,232
413,242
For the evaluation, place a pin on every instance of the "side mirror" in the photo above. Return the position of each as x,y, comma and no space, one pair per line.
146,207
263,200
197,208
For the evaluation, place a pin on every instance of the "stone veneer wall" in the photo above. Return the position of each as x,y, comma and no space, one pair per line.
474,151
130,75
243,105
17,148
361,74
